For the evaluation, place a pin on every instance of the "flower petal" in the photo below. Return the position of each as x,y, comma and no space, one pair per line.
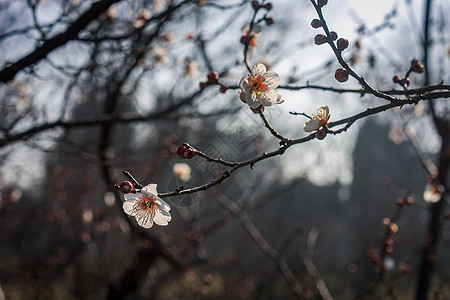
162,218
243,84
131,196
146,222
256,28
270,98
150,189
272,79
128,207
162,204
258,69
311,125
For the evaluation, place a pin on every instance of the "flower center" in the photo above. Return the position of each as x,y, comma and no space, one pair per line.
257,84
146,204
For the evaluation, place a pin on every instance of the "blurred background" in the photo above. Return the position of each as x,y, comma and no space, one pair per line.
122,93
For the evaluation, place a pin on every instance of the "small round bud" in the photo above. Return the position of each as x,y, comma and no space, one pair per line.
316,23
255,5
213,77
416,66
269,20
386,221
333,35
342,44
190,153
322,3
407,81
320,39
341,75
400,201
126,187
393,228
223,88
180,151
409,200
203,85
321,134
268,6
396,79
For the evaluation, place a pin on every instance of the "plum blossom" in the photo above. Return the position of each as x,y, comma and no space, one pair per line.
258,88
182,171
433,192
318,120
147,207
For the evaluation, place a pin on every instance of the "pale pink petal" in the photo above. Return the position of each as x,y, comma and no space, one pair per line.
128,207
270,98
258,69
162,204
162,218
145,222
311,125
279,100
243,84
150,189
272,79
131,196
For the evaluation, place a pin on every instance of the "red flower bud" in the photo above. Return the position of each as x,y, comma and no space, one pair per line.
213,77
322,3
320,39
255,5
342,44
268,6
396,79
203,85
190,153
223,88
245,39
316,23
180,151
126,187
341,75
333,35
269,20
321,134
416,66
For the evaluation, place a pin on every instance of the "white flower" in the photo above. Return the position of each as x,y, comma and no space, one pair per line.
182,171
258,88
147,208
433,192
318,120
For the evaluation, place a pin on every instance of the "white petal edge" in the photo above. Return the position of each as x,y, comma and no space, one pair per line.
162,204
258,69
162,218
311,125
145,222
150,189
272,79
128,207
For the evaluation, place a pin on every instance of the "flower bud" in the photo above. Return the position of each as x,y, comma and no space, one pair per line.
255,5
400,201
180,151
126,187
320,39
268,6
269,20
396,79
245,39
316,23
416,66
321,134
213,77
342,44
333,35
190,153
322,3
203,85
223,88
341,75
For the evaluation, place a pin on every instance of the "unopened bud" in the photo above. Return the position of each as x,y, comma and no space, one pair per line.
316,23
416,66
268,6
396,79
255,5
203,85
321,134
322,3
341,75
245,39
190,153
126,187
223,88
269,20
180,151
342,44
320,39
333,35
213,77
